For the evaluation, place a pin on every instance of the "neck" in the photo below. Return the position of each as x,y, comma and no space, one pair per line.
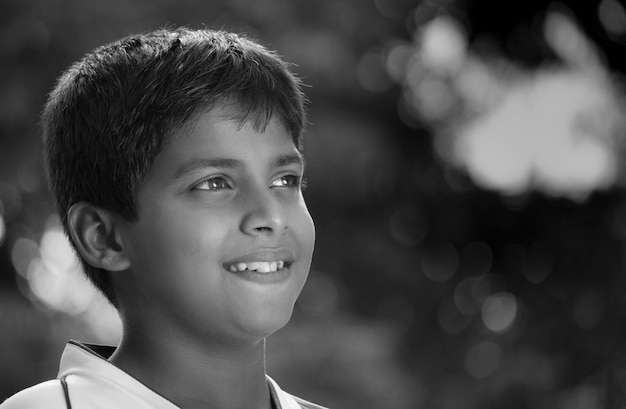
197,374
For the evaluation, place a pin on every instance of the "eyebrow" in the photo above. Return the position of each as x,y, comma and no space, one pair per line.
200,163
285,160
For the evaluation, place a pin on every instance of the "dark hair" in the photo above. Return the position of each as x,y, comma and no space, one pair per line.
113,111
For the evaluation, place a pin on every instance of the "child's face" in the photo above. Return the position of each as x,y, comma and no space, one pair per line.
220,206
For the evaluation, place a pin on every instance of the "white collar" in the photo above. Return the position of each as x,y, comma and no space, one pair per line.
285,400
91,361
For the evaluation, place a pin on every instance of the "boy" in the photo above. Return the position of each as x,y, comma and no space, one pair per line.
174,159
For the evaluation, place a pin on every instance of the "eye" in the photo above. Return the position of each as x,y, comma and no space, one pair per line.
286,181
212,184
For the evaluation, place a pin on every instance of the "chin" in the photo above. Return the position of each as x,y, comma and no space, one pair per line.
268,323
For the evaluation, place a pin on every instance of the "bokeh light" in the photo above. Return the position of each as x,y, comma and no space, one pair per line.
443,44
470,294
23,251
612,15
556,129
499,311
397,59
56,282
553,134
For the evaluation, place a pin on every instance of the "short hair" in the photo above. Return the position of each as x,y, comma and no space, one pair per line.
114,110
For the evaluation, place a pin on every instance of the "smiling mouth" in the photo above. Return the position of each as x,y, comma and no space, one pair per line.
258,266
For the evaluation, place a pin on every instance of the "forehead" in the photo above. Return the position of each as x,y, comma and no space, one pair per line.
215,136
223,127
230,111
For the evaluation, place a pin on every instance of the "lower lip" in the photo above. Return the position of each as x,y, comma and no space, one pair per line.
273,277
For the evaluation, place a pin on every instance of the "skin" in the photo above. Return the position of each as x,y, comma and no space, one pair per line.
219,193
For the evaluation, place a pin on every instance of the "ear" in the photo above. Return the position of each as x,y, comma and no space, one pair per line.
96,235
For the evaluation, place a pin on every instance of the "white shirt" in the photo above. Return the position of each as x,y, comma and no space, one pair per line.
95,383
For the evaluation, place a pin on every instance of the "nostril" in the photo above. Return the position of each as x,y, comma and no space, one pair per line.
264,216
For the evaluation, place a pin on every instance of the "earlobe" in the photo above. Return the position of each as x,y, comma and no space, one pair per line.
96,235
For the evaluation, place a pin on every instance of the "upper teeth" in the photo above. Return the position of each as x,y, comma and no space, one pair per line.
258,266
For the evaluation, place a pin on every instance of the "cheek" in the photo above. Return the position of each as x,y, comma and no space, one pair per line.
196,224
178,239
311,234
309,224
305,231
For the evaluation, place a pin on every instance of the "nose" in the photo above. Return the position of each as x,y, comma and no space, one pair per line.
264,215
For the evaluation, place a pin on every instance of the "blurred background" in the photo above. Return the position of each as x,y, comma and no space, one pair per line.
465,174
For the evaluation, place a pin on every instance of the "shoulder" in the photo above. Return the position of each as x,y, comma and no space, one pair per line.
48,395
304,404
